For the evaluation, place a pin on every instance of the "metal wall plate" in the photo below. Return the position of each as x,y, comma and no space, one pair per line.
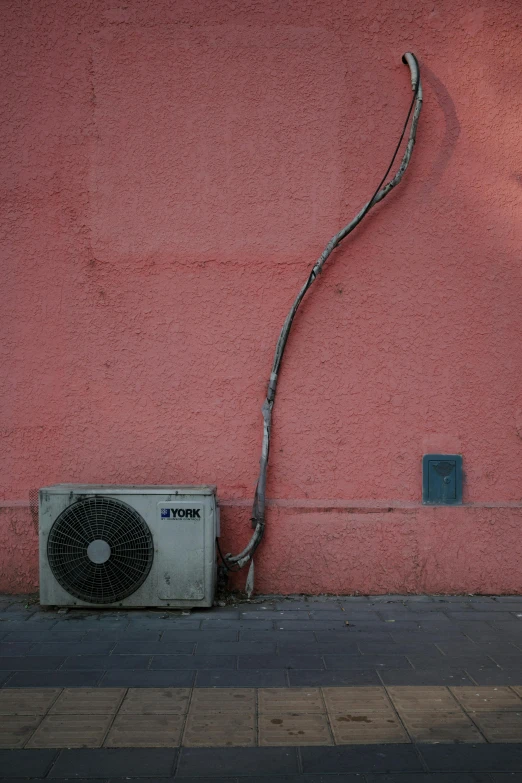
442,479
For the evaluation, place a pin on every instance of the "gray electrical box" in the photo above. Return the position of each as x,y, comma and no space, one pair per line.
442,479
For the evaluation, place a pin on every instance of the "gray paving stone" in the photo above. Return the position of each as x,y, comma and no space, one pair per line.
115,762
10,649
343,615
506,599
327,600
302,637
15,617
194,762
271,615
495,676
483,617
177,624
319,648
237,648
31,662
409,613
72,648
26,763
228,611
19,626
194,662
107,662
367,662
216,635
468,648
186,780
127,635
438,676
65,628
353,599
492,635
68,780
54,679
248,678
511,660
236,625
361,759
432,621
352,635
469,758
20,606
34,636
400,648
310,625
130,678
398,626
387,598
153,648
312,678
431,777
280,662
426,662
4,677
354,778
446,606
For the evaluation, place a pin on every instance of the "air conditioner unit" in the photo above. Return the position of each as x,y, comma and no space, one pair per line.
128,546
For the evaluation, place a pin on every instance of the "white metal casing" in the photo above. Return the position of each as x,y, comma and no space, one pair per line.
183,572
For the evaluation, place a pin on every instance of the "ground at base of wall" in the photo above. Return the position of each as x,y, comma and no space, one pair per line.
391,689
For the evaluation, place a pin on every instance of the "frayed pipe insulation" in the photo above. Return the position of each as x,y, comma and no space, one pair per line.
236,562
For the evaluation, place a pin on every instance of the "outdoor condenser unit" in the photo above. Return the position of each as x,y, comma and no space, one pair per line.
128,546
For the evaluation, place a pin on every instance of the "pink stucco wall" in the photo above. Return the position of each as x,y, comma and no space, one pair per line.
170,173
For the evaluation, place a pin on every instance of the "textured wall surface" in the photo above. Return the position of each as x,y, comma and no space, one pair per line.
170,173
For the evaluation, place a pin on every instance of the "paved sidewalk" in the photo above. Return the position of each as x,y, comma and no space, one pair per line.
290,690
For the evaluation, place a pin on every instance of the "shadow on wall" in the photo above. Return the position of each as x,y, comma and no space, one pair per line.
452,133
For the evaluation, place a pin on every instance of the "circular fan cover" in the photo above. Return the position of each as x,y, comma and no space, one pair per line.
100,550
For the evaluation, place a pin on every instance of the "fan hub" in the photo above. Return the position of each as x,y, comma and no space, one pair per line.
98,551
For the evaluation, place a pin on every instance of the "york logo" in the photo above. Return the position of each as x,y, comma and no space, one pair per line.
181,513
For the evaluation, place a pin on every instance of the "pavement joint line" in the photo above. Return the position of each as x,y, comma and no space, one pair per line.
116,713
395,710
184,721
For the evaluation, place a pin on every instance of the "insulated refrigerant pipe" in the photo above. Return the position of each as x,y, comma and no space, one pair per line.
236,562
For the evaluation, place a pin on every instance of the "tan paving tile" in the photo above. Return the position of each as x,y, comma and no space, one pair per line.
88,701
155,701
145,731
500,726
421,698
289,700
15,730
366,728
441,726
224,699
27,701
219,729
70,731
487,699
357,700
284,729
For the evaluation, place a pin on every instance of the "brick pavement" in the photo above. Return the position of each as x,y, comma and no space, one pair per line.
402,689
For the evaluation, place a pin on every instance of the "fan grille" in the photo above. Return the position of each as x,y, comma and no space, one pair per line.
100,529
